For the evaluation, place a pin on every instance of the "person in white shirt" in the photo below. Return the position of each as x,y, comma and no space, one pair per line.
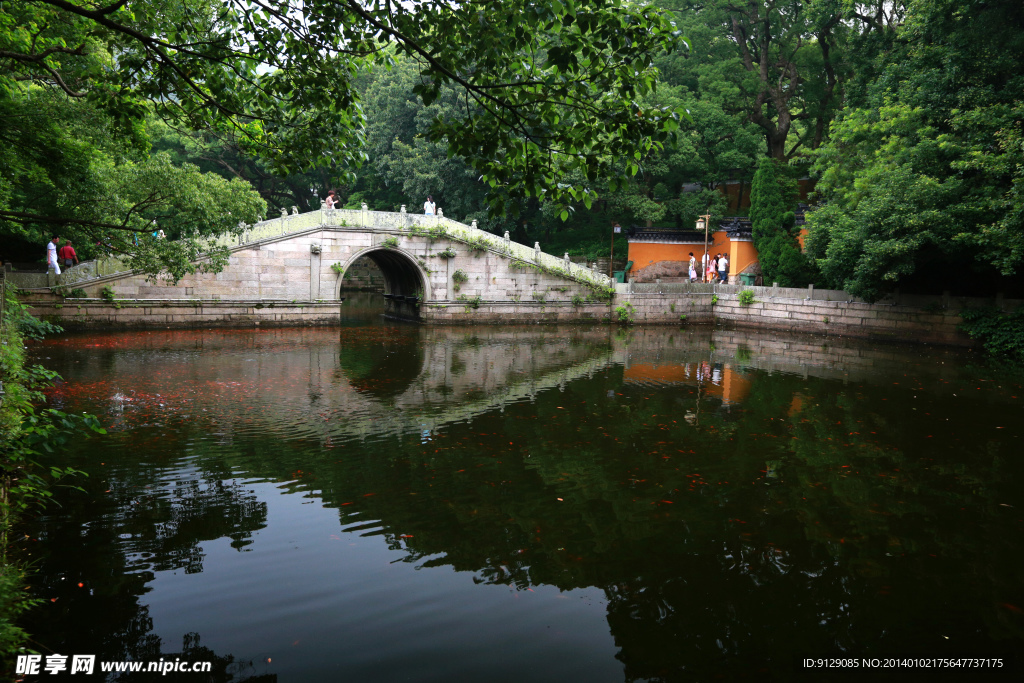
429,207
331,201
51,255
723,270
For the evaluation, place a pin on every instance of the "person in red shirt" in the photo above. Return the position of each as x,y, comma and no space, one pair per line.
67,255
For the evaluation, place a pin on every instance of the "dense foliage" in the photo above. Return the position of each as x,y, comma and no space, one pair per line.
922,182
30,438
1001,332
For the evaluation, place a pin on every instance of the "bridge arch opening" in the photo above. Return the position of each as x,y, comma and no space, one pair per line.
404,284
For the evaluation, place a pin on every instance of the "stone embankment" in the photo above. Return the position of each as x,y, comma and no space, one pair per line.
917,318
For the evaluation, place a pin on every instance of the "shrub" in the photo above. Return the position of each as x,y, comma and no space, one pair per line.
449,252
338,268
1001,333
78,293
30,450
107,294
390,243
577,300
746,297
625,313
714,299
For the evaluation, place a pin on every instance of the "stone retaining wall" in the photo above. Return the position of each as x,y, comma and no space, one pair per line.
666,308
847,318
514,312
77,314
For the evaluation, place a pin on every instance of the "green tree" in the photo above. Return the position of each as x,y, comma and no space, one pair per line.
555,90
772,218
223,152
67,171
921,187
405,164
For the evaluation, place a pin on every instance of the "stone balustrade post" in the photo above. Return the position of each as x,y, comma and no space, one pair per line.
284,215
473,225
295,210
365,215
536,252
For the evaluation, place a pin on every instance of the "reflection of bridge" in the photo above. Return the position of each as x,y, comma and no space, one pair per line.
337,388
434,269
423,378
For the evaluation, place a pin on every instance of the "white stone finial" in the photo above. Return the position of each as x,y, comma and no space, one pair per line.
440,213
284,212
507,238
536,246
403,209
473,225
295,210
365,207
566,257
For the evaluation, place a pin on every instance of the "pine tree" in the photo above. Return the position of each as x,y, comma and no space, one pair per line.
772,219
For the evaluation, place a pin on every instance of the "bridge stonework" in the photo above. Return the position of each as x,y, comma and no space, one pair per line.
435,270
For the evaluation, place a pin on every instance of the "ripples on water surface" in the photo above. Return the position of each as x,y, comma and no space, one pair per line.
388,502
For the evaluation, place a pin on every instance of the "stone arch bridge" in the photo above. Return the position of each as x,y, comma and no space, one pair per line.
435,270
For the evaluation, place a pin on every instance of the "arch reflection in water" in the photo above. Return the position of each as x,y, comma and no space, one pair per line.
383,371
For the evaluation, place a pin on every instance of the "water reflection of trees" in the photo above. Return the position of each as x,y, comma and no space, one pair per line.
801,514
773,528
93,576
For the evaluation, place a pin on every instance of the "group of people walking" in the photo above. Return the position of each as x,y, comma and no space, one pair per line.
713,269
55,257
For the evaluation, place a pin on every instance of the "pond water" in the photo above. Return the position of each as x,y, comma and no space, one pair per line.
390,502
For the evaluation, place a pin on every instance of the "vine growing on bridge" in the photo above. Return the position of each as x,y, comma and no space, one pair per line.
459,277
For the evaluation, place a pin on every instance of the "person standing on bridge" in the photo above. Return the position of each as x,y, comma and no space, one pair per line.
51,255
67,255
331,201
429,207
